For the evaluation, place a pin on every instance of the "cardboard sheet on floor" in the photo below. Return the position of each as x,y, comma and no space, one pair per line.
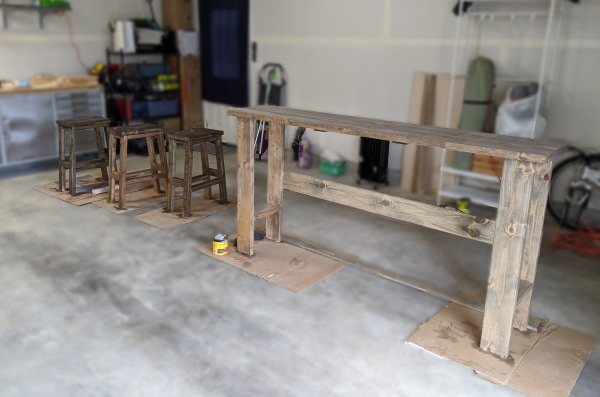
283,264
201,208
136,200
85,184
543,363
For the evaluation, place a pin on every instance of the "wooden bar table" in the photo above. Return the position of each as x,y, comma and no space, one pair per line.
515,234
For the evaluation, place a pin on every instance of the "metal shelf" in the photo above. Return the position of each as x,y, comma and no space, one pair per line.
477,196
511,16
470,174
42,11
550,11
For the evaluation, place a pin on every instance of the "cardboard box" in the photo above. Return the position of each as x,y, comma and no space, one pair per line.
428,106
171,124
543,363
488,165
191,90
177,14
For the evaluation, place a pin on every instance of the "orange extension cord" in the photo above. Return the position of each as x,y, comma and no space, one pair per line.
585,240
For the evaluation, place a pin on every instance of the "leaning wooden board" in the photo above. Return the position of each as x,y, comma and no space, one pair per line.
515,235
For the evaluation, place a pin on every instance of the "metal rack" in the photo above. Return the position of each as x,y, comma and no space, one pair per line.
110,92
451,179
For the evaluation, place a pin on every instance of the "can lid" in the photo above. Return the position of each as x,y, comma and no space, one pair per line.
221,237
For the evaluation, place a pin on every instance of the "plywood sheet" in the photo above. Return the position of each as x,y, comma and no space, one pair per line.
136,200
543,363
422,84
85,184
201,208
283,264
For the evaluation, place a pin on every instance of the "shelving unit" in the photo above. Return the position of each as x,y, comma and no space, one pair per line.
7,8
451,179
111,92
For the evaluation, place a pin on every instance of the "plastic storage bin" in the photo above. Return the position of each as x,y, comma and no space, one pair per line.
163,108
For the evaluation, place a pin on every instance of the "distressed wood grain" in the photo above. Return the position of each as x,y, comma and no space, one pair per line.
245,192
472,142
512,227
438,218
537,210
275,181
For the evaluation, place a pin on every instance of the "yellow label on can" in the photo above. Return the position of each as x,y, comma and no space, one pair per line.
220,247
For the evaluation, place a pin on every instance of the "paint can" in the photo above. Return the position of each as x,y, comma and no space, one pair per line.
220,244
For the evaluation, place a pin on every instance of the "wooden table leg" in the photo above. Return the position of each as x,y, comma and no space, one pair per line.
245,192
507,253
537,210
61,159
153,163
172,167
122,173
164,164
221,171
275,180
112,167
206,167
187,180
101,154
73,162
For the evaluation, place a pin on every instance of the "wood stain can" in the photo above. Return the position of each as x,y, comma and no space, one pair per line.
220,244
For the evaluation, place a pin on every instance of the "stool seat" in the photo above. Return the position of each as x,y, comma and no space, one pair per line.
190,135
139,129
84,122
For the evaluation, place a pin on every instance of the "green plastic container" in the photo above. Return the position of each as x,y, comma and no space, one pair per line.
337,168
55,3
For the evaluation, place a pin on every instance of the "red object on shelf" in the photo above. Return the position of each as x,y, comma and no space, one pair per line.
124,108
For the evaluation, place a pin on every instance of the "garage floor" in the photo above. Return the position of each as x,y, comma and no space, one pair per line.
97,304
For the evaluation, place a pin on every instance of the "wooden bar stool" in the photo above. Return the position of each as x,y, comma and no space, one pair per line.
154,173
195,139
68,159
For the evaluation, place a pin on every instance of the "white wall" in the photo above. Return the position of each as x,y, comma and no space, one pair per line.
357,56
26,50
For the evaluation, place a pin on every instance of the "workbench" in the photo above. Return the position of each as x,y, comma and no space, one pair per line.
515,234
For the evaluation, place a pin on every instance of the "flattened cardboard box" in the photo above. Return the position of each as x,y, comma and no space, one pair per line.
543,363
283,264
85,185
200,208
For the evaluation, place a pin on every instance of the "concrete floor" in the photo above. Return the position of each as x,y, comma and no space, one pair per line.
97,304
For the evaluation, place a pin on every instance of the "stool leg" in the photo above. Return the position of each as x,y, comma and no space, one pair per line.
221,171
187,180
163,158
153,164
205,168
61,159
73,163
112,167
101,154
123,173
171,175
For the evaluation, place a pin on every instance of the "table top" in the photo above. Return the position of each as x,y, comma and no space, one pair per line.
84,121
136,129
194,134
37,90
534,150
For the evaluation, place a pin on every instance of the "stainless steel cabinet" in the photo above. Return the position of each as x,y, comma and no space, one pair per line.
27,123
27,127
